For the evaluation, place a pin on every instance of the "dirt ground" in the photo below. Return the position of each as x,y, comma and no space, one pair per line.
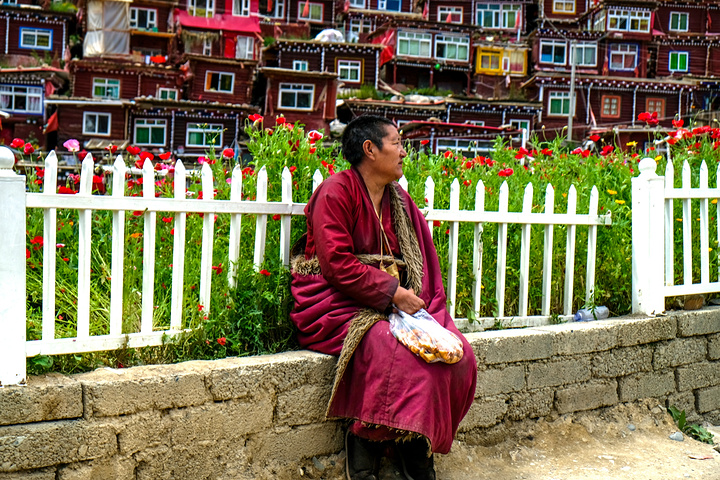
626,442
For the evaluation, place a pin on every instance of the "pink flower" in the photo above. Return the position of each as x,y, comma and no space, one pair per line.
72,145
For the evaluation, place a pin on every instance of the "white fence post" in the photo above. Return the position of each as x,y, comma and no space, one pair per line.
648,235
12,272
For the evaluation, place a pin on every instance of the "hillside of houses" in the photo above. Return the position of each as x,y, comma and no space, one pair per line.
184,75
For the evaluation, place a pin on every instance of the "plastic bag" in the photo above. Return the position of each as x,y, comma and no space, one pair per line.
425,337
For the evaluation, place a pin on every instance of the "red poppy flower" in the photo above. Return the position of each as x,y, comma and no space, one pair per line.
137,213
546,151
222,341
506,172
111,148
82,154
276,216
146,156
607,150
218,269
255,117
437,223
167,219
133,150
37,240
292,169
27,253
165,156
265,272
595,138
312,150
17,143
314,136
521,153
66,191
678,123
489,162
280,120
448,154
424,142
649,118
28,149
467,183
228,153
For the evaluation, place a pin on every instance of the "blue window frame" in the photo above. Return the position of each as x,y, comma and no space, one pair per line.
36,38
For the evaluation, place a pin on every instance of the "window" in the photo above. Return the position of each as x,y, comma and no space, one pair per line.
219,82
314,11
623,57
521,124
477,123
559,103
201,8
357,3
414,44
563,6
143,18
20,99
553,51
469,148
496,15
350,70
167,93
678,61
301,65
106,88
599,22
241,8
654,104
356,27
449,47
35,38
272,9
207,47
96,123
245,48
585,54
390,5
678,22
610,106
489,59
204,135
629,20
454,13
150,132
296,96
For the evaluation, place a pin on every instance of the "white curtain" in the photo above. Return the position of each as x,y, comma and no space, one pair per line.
108,28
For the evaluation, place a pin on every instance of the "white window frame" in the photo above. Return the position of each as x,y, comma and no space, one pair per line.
629,20
300,65
520,124
33,97
472,147
562,97
678,17
247,52
554,44
347,67
563,6
358,26
509,10
490,12
111,87
679,55
194,8
277,12
599,24
623,50
583,47
150,15
385,4
220,75
357,4
450,41
170,93
296,89
34,34
456,14
423,41
97,115
151,124
477,123
241,8
213,131
311,11
207,47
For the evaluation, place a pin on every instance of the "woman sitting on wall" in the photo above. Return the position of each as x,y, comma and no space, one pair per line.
344,293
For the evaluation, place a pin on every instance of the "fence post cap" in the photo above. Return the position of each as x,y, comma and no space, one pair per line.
7,158
647,166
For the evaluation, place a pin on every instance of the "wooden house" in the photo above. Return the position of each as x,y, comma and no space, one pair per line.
220,80
562,12
517,115
355,64
29,34
400,112
152,30
301,96
464,139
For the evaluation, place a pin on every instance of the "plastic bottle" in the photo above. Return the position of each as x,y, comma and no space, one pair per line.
586,314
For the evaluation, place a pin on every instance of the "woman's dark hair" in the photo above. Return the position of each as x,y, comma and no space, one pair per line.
366,127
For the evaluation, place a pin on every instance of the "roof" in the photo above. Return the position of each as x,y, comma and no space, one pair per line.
222,22
422,129
618,82
275,72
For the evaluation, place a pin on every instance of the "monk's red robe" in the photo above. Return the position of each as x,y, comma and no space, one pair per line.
384,383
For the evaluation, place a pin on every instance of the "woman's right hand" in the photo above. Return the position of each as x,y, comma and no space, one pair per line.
406,300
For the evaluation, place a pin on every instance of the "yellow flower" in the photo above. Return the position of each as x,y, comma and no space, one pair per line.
612,192
631,144
658,158
679,219
620,202
135,235
564,194
714,201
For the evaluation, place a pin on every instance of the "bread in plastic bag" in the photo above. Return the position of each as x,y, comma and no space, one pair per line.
425,337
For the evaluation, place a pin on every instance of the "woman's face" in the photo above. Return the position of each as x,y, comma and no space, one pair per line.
389,159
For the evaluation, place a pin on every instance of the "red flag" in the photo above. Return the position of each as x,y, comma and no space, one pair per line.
426,10
52,124
517,20
605,68
269,6
387,39
306,10
709,20
449,18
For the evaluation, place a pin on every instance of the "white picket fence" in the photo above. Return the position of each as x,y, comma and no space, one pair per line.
14,346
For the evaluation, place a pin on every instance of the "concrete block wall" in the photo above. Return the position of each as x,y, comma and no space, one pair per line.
262,417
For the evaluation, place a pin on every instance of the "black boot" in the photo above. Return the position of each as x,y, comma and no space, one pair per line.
362,458
417,460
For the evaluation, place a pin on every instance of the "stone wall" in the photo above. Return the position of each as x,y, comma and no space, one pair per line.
262,417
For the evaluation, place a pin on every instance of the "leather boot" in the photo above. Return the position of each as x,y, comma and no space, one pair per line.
362,458
417,465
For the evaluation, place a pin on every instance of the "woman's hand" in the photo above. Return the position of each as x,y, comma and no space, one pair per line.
407,301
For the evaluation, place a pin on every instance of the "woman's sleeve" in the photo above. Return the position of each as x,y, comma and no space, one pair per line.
332,228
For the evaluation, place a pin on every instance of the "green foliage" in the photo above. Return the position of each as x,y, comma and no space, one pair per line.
364,92
695,431
63,7
429,91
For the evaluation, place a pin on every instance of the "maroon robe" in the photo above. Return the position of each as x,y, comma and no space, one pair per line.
384,383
